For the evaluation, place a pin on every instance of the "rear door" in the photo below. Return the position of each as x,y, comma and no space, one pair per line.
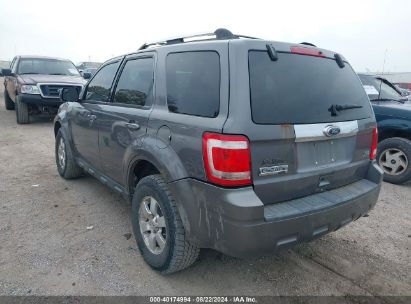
123,122
309,121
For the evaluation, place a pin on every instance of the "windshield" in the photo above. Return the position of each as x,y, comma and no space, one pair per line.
378,89
302,89
47,66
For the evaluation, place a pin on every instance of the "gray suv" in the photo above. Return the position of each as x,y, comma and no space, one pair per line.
223,141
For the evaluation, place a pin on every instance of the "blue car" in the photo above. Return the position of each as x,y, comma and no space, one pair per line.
393,115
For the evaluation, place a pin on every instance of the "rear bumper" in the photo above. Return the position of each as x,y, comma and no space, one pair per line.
39,100
235,222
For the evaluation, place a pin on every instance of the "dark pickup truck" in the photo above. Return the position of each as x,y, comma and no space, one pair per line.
33,83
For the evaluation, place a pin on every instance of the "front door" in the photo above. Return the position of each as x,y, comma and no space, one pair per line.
86,114
125,119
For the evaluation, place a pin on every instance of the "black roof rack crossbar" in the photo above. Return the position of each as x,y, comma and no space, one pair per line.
219,34
308,43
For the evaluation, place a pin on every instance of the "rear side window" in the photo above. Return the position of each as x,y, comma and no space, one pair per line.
193,83
135,85
100,86
300,89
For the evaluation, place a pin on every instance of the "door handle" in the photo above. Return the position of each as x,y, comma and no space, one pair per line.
132,126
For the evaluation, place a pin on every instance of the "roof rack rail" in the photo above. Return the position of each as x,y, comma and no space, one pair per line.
219,34
308,43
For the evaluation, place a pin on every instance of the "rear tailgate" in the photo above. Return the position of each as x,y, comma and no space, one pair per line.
298,145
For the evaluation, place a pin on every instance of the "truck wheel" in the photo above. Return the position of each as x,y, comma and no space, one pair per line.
22,112
158,228
7,101
394,157
66,165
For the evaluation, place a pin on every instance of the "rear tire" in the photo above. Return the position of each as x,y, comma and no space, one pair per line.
66,166
7,101
175,253
394,157
22,112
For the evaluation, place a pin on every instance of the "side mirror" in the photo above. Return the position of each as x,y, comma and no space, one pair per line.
86,75
69,94
6,72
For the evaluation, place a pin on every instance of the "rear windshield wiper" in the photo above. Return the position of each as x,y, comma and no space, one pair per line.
57,74
388,99
335,108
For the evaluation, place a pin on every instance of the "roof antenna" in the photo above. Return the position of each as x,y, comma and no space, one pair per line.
382,74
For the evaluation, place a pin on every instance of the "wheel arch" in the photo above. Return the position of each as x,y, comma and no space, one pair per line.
391,133
57,126
152,160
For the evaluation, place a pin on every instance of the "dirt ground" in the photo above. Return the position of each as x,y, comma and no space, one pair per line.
46,248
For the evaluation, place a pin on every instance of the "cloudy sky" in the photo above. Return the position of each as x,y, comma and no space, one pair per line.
364,31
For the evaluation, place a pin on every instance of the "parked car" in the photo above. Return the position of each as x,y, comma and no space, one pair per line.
393,114
221,151
88,73
32,84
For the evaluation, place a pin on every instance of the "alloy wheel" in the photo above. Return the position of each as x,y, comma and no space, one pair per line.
152,225
61,153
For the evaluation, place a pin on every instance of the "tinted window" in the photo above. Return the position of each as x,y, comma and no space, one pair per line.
193,83
100,86
46,66
136,82
301,89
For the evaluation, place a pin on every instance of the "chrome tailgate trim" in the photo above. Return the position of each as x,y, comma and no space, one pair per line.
314,132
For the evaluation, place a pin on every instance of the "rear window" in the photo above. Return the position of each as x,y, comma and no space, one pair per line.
193,83
300,89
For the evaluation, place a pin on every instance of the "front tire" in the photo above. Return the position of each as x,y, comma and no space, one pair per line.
7,101
66,165
22,112
394,157
158,228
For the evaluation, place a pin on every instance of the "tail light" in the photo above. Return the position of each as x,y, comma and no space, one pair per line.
227,159
374,143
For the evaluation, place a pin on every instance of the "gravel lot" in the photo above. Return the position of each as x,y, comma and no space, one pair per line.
45,248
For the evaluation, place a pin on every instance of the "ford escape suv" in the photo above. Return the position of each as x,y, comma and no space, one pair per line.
224,141
32,85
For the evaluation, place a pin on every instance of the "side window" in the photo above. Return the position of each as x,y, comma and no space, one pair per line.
100,86
135,85
193,83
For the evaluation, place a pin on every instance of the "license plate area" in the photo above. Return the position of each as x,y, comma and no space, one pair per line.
324,153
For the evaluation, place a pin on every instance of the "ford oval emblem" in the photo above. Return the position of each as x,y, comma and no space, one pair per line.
331,131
